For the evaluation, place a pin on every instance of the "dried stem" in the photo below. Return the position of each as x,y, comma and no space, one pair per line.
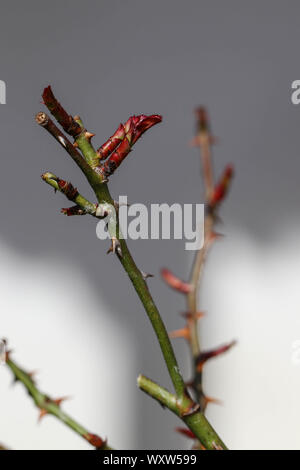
134,128
51,406
214,195
203,140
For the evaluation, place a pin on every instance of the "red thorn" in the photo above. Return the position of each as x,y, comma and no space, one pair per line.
89,135
206,355
32,374
175,283
186,432
42,413
212,237
58,401
190,316
221,189
208,400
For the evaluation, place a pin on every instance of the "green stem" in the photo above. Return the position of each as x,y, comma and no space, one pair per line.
140,285
87,206
103,195
196,421
47,405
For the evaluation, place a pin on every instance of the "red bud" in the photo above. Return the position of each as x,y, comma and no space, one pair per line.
122,140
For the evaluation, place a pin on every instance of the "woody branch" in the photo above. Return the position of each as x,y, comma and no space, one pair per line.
215,193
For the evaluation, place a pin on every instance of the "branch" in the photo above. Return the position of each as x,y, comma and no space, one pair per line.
185,409
66,121
214,196
44,121
133,129
51,406
83,206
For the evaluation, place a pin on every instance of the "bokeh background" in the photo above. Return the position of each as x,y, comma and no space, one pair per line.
67,309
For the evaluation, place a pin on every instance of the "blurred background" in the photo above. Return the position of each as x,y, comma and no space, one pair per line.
67,309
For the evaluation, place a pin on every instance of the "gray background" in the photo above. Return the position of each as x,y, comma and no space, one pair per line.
108,59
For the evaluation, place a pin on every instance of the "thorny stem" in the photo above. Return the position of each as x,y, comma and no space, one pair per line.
203,140
213,196
103,195
195,420
49,406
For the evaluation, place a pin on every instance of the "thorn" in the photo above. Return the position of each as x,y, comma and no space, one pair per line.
208,400
62,141
115,247
88,135
146,275
212,237
221,189
42,413
175,283
186,432
32,375
206,355
193,316
215,236
58,401
181,333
